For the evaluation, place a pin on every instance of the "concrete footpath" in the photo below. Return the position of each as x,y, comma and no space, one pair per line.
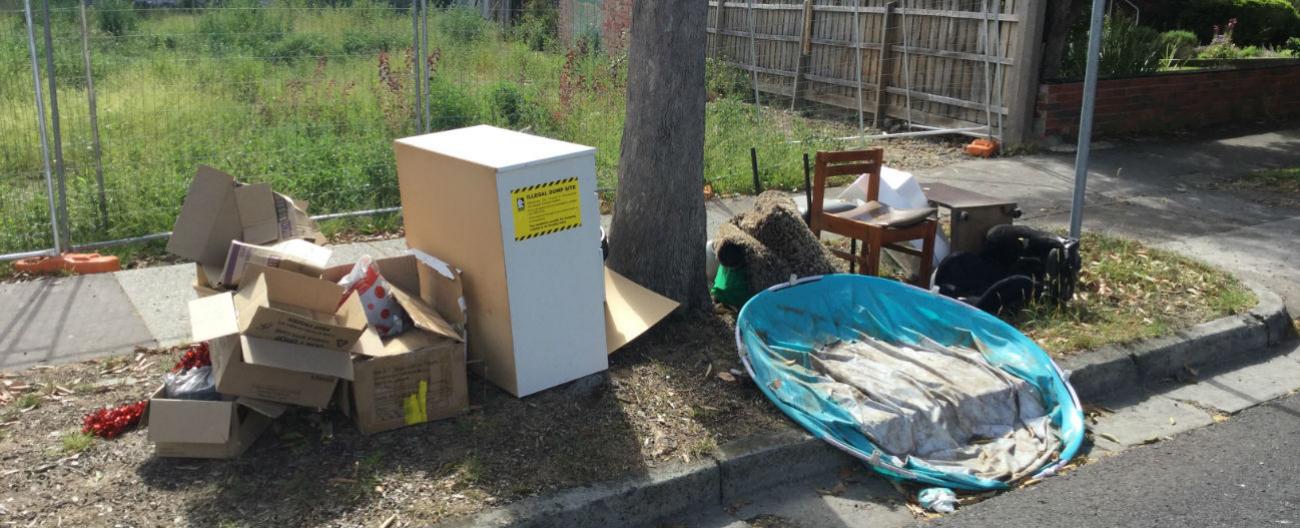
1151,191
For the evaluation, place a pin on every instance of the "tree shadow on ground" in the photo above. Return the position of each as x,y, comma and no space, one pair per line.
660,403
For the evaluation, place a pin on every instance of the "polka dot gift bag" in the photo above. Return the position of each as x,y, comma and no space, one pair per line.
383,312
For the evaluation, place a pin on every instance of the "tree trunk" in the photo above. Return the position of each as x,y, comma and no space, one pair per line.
1059,17
657,238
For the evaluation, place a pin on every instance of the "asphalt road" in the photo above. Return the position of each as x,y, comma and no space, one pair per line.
1243,472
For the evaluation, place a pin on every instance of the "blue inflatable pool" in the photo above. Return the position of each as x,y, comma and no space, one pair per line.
919,386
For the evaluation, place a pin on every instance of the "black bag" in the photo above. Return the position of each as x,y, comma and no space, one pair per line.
1018,264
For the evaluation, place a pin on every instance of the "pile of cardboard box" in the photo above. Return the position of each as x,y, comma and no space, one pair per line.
535,309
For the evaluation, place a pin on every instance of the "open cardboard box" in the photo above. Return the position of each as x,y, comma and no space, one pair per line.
205,428
419,375
294,308
218,210
263,368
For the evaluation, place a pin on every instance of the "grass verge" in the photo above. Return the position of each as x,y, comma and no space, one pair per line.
1128,291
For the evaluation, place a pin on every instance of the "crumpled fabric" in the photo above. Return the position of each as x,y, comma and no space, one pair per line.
944,404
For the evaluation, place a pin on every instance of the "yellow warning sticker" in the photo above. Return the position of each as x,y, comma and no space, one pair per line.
546,208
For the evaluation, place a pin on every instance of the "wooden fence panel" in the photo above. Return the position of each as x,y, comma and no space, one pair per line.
937,63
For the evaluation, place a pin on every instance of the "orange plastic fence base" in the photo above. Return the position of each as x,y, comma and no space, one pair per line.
79,263
984,148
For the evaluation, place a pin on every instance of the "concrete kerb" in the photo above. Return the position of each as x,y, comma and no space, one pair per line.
758,462
1228,339
634,502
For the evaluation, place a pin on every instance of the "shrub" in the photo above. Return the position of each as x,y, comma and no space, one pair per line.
368,41
507,104
722,81
463,23
1260,22
538,28
1179,44
248,26
1127,49
115,17
300,45
451,106
1293,44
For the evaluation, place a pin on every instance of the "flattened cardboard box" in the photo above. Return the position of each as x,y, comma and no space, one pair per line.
420,375
218,210
263,368
298,256
206,429
293,308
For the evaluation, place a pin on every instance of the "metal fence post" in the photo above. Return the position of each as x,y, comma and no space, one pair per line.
415,66
94,118
424,64
54,128
40,119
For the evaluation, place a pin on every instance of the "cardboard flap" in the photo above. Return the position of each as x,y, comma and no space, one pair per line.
630,310
296,358
213,317
190,421
441,287
424,316
209,219
256,203
207,276
295,289
268,409
369,344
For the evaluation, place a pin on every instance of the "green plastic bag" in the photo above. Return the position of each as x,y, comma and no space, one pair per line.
731,287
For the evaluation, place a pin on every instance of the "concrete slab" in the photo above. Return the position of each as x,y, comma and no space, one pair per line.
65,319
1137,420
1265,253
388,248
1244,387
349,253
161,296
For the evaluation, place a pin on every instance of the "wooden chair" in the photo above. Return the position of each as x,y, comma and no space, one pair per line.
874,234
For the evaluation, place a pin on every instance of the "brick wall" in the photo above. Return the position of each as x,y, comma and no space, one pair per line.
1172,101
614,20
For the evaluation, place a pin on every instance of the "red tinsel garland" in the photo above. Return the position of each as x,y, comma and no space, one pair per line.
197,356
111,423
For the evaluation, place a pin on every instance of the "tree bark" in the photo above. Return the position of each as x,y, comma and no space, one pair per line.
1060,14
658,233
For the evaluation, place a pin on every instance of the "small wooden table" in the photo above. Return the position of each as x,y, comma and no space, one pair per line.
971,214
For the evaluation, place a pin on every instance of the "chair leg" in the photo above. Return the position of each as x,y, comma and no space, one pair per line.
853,251
926,269
871,250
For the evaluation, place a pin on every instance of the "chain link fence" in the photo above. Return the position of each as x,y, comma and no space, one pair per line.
308,95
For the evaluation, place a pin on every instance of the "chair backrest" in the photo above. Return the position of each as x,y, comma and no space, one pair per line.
846,162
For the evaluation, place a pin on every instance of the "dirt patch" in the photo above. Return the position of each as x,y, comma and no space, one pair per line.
664,399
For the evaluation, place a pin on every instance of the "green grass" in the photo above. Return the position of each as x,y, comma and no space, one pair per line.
309,100
75,442
27,401
1274,180
1127,292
